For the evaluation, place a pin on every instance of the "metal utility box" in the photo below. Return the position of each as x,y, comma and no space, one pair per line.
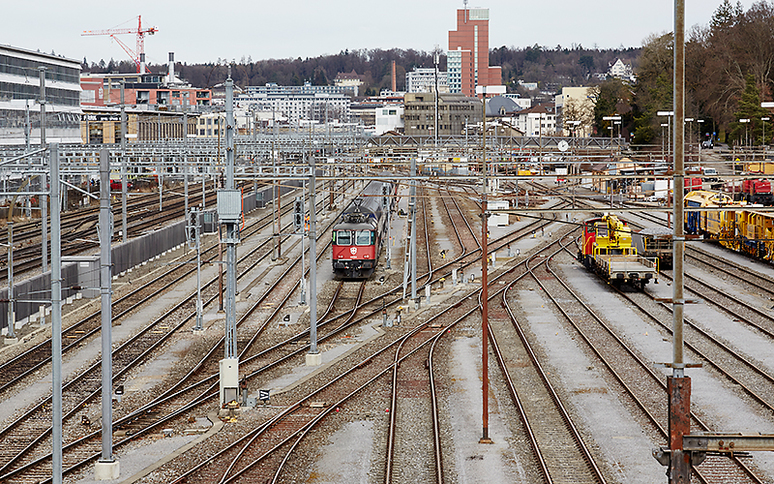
498,219
88,274
229,381
230,206
208,221
259,200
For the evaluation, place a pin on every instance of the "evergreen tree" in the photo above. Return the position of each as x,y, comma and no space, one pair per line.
749,108
726,15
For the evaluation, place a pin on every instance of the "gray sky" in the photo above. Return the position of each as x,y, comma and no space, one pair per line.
197,32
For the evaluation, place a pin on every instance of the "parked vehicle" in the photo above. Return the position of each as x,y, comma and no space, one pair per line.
607,249
710,174
116,185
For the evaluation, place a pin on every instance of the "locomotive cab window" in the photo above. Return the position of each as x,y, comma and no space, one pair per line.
343,237
363,237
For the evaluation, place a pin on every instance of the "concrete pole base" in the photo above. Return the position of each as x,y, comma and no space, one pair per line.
11,341
313,359
106,471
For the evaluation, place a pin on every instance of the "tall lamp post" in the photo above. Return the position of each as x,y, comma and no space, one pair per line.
668,115
764,120
574,133
613,118
700,140
484,90
745,121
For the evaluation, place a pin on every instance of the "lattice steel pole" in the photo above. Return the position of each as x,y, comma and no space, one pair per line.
43,181
56,318
229,213
107,465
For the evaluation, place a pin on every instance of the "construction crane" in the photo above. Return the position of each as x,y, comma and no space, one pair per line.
137,56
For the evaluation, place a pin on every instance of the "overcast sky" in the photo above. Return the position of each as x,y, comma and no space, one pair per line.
198,32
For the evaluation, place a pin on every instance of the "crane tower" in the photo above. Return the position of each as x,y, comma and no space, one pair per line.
138,56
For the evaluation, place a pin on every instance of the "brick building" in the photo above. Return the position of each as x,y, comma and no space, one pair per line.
467,59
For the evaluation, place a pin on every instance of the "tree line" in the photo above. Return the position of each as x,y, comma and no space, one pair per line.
729,71
551,68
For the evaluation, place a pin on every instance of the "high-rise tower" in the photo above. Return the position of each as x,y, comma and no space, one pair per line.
468,56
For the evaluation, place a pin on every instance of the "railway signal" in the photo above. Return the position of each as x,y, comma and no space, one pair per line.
298,214
192,229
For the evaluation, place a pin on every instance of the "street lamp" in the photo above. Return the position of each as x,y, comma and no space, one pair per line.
574,129
611,118
764,119
689,120
669,115
700,122
745,121
663,138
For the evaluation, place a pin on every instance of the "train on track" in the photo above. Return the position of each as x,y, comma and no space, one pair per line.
750,190
655,242
607,249
745,229
358,236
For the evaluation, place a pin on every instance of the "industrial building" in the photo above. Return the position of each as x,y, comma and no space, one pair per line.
162,91
157,106
20,93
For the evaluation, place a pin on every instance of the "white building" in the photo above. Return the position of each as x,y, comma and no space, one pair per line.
454,67
422,79
20,92
536,121
619,70
297,103
388,118
522,102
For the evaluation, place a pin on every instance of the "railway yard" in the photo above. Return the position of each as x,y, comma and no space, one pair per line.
577,382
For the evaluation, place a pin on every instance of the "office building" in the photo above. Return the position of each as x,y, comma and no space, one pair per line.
467,59
295,103
455,111
423,79
20,95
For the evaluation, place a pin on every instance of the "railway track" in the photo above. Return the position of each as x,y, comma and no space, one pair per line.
638,378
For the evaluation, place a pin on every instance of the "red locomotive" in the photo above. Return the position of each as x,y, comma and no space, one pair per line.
357,238
757,191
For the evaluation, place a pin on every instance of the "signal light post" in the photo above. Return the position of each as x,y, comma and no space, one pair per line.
299,225
230,214
194,232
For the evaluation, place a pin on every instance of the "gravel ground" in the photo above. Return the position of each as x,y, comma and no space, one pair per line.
349,447
715,400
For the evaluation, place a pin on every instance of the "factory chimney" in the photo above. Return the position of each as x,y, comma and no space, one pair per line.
394,81
142,63
171,76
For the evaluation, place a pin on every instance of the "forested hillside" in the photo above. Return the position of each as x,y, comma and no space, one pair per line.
551,68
